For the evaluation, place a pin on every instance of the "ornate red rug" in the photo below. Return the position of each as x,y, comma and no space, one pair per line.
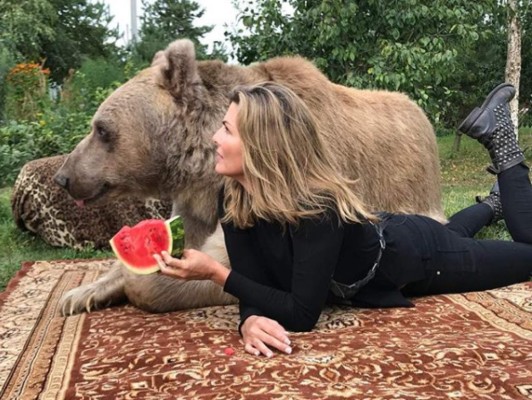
471,346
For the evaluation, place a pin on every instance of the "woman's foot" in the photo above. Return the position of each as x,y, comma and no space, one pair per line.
492,126
494,201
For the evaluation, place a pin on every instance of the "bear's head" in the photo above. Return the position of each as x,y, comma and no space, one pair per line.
151,137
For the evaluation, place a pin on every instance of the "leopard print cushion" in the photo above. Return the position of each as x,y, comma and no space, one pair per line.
42,207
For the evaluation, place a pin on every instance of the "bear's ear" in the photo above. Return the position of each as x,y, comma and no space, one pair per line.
158,59
178,67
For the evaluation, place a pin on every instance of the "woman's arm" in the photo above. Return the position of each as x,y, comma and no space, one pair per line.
193,265
259,333
196,265
265,310
316,247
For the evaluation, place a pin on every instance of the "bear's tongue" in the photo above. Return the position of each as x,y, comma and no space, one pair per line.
80,203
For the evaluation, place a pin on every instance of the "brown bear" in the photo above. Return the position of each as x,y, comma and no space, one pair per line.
153,137
43,208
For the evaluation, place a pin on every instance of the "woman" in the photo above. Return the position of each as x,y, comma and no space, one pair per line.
298,236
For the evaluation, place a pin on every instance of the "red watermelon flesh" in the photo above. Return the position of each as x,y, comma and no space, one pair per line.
135,246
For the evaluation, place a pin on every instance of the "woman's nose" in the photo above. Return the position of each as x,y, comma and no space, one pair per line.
215,136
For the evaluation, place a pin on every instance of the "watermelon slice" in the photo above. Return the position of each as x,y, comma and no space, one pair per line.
135,246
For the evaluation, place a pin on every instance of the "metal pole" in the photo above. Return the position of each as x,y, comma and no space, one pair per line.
133,20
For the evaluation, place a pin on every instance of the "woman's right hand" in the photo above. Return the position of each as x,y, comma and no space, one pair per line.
261,333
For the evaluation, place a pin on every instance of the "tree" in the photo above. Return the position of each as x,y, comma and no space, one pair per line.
60,32
25,25
164,21
513,59
489,62
525,90
82,30
412,46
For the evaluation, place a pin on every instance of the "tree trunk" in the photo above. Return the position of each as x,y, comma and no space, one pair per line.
513,57
457,142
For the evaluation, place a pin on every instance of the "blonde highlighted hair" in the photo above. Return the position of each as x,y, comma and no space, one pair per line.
288,170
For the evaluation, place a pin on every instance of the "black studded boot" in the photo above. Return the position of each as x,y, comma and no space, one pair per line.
492,126
494,201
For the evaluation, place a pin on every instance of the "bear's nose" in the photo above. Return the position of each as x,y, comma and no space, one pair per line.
61,180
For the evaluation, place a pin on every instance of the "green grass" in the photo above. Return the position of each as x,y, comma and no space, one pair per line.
17,246
463,177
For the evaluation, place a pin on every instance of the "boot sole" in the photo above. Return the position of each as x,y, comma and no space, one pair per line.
467,123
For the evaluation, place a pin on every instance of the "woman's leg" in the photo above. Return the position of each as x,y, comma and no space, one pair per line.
458,264
495,264
516,198
467,222
492,126
470,220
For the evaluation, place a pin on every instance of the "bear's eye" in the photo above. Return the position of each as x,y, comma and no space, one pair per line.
102,133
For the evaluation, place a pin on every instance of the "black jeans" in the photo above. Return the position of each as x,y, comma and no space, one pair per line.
455,262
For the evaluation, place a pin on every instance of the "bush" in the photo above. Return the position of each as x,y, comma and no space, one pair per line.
6,63
56,132
86,88
13,156
36,127
26,91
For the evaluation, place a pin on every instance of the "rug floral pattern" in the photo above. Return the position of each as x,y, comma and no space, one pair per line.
469,346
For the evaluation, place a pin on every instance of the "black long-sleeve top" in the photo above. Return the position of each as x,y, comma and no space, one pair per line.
284,272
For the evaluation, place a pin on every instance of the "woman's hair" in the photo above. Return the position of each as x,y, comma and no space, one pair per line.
288,170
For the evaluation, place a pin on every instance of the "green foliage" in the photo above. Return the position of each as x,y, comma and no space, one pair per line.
54,128
134,65
26,91
525,91
57,131
12,157
166,20
60,32
7,61
82,31
87,87
414,46
25,26
481,65
525,119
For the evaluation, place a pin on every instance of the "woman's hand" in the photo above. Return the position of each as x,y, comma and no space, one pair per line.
260,332
194,265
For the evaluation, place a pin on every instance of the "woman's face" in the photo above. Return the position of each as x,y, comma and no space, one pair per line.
229,147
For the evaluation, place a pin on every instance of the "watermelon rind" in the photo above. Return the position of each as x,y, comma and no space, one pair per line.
146,269
178,235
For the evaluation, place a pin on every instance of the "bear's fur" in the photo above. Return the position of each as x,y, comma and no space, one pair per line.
153,137
43,208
